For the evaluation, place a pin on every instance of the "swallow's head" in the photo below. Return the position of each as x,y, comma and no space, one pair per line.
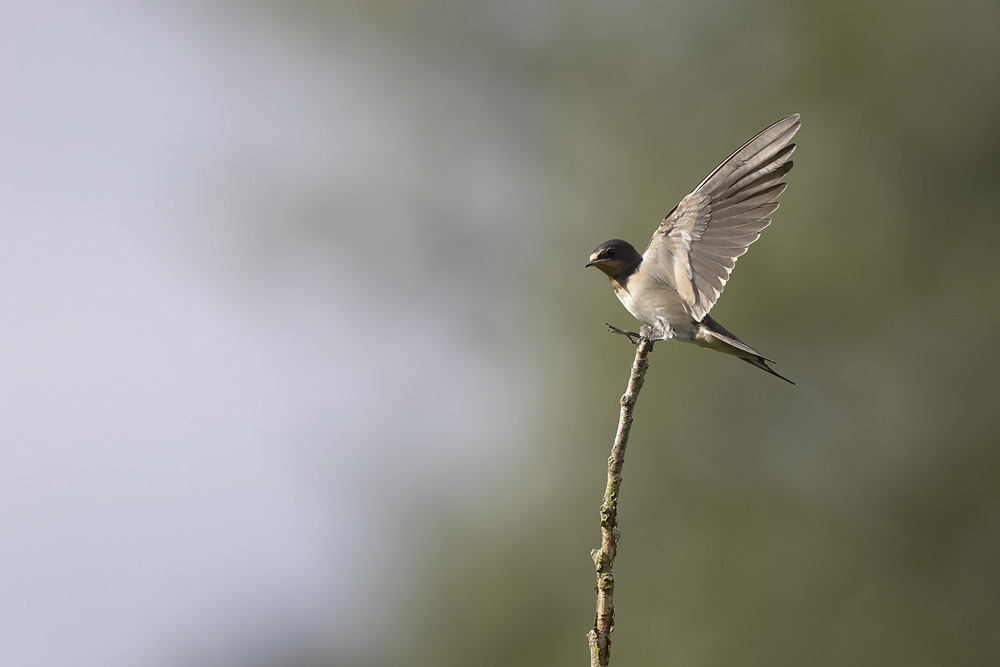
614,257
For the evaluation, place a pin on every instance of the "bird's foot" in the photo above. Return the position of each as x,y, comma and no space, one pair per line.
668,331
632,336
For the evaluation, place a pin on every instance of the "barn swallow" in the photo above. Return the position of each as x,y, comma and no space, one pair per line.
674,284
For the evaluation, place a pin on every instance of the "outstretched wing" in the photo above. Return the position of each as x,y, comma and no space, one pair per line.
696,246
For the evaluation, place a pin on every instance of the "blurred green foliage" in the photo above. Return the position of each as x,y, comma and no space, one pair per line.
853,519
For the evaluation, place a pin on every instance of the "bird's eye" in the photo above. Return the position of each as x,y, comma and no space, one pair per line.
610,252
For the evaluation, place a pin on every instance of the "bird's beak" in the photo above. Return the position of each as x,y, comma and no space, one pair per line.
593,260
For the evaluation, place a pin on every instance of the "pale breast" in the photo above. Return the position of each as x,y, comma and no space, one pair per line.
650,300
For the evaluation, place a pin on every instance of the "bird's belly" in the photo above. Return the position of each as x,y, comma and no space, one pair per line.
653,306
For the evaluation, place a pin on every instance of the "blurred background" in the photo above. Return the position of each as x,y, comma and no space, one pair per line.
299,364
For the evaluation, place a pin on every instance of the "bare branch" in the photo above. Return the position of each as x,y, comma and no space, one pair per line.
604,621
632,336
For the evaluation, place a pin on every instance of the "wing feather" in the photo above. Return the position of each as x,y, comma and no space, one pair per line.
739,231
698,242
767,176
733,207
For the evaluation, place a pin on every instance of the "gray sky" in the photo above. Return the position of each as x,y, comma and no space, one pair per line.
199,459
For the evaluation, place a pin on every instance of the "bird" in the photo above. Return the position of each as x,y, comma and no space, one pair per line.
674,284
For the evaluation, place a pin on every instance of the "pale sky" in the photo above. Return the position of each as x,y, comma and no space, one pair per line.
212,439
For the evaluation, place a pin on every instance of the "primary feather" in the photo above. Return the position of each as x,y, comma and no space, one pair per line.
697,244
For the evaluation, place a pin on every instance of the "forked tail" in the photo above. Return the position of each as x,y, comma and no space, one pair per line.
761,363
715,337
